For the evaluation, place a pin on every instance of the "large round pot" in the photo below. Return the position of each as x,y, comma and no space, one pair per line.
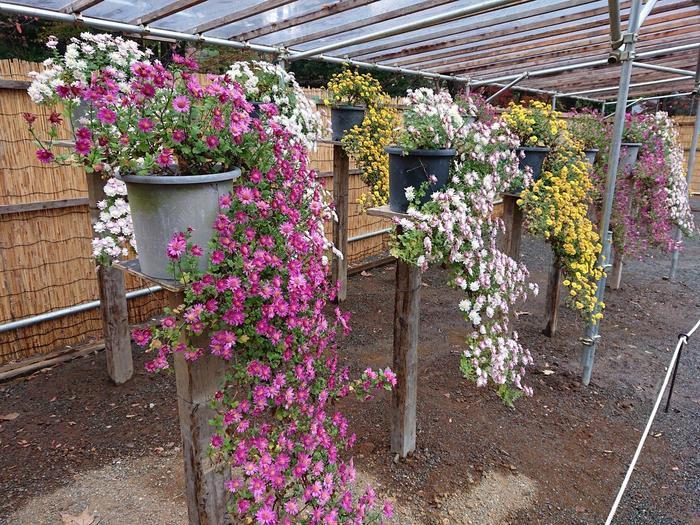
343,118
412,168
534,158
164,205
591,155
628,154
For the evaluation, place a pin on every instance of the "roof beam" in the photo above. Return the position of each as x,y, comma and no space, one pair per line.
79,6
327,10
370,52
410,55
165,11
589,47
230,18
614,88
583,65
364,22
448,16
497,46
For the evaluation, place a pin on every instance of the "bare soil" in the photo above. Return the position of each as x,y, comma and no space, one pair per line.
558,457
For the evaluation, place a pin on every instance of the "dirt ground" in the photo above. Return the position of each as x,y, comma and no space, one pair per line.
75,444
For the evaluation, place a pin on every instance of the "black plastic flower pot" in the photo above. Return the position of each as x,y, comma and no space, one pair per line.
534,158
343,118
591,155
412,169
257,112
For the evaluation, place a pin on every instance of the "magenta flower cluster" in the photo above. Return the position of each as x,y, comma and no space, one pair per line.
262,306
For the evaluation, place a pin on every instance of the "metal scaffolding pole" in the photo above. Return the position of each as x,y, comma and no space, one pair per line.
590,338
673,70
691,168
507,86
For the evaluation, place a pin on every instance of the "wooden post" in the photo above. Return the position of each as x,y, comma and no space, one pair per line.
196,382
513,220
615,280
113,305
406,327
341,196
552,300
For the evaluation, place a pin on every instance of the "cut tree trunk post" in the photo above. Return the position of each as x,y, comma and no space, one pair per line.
616,277
113,305
196,382
341,196
513,220
406,327
552,300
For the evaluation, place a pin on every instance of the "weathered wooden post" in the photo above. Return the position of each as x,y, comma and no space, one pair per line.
552,300
513,220
405,361
341,196
113,305
616,275
196,383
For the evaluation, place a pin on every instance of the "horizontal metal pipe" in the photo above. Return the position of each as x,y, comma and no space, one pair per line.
405,28
370,234
639,84
63,312
658,97
673,70
584,65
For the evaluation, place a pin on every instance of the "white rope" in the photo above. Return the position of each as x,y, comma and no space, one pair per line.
682,339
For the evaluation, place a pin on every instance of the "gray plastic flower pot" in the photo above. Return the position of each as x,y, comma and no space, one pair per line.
591,155
412,168
343,118
164,205
628,154
534,158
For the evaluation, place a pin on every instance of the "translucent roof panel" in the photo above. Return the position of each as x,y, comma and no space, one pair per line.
357,15
125,10
54,5
188,19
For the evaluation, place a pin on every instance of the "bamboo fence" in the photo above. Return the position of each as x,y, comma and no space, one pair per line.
45,234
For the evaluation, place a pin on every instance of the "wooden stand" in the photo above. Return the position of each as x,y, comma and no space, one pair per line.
196,384
405,364
513,220
113,306
552,300
341,196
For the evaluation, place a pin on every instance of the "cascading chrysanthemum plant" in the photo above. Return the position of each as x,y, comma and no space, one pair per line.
365,143
456,227
64,80
260,306
556,206
651,198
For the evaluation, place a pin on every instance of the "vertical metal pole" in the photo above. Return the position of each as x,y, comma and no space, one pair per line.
691,165
590,338
554,102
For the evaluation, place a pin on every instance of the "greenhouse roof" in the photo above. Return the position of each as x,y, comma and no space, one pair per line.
561,46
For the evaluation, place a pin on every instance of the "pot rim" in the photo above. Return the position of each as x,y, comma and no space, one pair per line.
173,180
631,144
533,148
444,152
349,108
